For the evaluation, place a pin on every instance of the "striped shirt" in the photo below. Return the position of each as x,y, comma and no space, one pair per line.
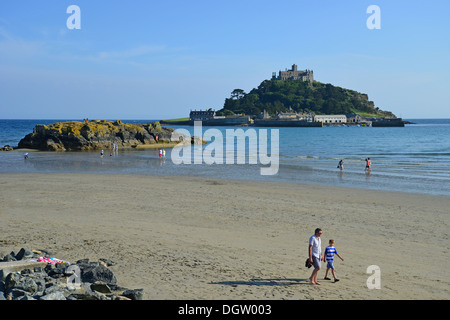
329,253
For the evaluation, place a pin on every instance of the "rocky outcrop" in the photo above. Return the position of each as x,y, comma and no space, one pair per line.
98,134
6,148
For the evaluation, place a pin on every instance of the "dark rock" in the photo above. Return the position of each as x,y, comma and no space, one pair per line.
24,254
136,294
115,287
61,265
11,280
17,281
39,272
88,295
2,286
83,296
51,288
40,286
107,262
82,261
26,272
38,269
28,285
49,267
101,287
16,294
9,257
57,295
57,272
92,272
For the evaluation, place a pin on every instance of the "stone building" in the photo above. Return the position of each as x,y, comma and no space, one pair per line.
294,74
332,118
202,115
354,118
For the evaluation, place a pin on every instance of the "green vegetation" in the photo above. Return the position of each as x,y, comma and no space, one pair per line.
177,120
301,96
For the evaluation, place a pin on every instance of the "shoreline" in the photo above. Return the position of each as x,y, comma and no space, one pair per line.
208,238
89,164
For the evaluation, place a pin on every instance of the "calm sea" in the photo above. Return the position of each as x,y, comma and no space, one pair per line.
414,158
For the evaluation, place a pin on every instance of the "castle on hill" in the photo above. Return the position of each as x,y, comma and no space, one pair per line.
294,74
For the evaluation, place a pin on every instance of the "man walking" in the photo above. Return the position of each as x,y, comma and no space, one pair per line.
315,254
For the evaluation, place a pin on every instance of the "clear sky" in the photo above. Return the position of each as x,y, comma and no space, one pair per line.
146,59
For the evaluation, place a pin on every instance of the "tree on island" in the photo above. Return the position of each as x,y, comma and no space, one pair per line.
237,94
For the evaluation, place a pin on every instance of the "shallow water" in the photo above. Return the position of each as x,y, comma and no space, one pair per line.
415,158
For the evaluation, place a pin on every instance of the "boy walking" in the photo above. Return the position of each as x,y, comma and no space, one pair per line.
330,251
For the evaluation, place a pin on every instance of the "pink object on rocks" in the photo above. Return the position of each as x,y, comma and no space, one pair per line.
51,260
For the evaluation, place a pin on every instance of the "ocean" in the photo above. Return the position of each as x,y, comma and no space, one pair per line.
414,158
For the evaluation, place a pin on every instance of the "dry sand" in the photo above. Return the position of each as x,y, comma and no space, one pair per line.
204,238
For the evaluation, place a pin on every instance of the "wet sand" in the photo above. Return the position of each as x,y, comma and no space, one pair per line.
205,238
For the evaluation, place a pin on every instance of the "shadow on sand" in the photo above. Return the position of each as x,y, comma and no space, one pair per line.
265,282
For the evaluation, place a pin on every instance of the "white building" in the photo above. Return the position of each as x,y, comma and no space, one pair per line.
332,118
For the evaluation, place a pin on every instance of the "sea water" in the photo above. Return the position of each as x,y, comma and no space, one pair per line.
414,158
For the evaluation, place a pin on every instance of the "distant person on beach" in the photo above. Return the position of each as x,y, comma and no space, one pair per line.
330,251
160,153
164,153
368,164
101,154
341,165
315,254
25,156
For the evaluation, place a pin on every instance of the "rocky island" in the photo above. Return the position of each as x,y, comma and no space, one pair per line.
101,134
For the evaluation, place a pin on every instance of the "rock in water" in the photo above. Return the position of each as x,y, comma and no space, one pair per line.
96,135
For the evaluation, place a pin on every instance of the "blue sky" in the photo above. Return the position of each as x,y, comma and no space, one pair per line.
145,59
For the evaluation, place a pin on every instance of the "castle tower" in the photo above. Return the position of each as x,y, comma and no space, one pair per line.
294,74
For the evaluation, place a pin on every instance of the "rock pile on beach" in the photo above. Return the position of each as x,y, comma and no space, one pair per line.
53,279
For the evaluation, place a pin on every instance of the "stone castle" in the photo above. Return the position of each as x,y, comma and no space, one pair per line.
294,74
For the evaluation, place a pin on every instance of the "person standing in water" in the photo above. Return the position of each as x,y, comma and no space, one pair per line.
341,165
368,165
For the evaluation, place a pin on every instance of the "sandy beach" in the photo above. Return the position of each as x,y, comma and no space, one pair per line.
205,238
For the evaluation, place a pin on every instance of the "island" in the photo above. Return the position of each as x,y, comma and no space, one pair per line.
293,98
